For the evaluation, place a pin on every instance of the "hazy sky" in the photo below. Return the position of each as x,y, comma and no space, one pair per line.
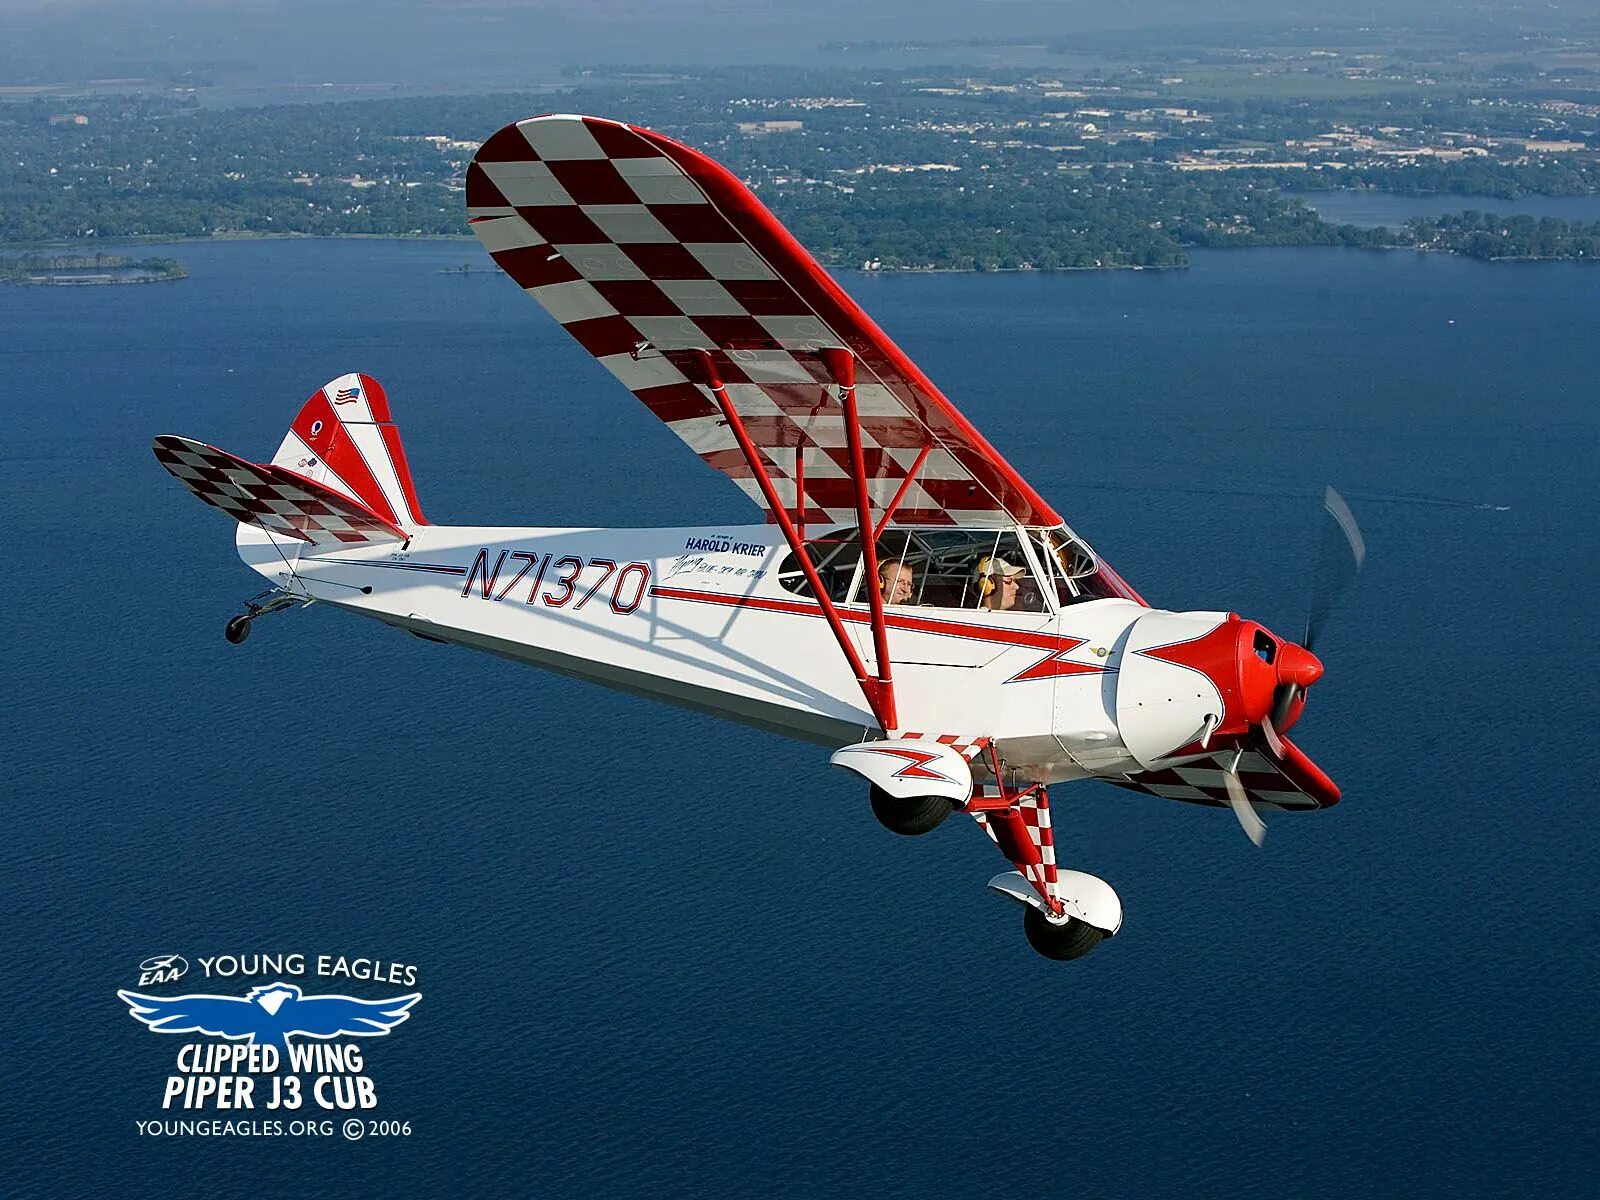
429,42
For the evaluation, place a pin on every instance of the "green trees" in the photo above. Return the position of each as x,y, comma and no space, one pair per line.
1487,236
907,169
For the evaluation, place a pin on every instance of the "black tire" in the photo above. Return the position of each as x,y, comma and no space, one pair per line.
1063,943
237,630
909,818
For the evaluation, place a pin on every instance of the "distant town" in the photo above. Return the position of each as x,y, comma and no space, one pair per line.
1130,161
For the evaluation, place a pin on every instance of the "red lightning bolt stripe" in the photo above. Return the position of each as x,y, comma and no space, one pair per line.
1054,665
916,765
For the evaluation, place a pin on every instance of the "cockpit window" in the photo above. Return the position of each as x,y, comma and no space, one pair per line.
1074,570
836,555
954,568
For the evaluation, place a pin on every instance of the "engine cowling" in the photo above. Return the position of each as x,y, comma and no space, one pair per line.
1181,677
1184,678
1163,705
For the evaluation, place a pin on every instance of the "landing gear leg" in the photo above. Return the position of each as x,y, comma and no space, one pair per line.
1065,914
269,601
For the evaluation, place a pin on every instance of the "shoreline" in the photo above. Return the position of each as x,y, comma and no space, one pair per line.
199,239
196,239
62,281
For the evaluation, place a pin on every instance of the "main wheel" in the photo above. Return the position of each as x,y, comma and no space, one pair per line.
910,817
237,630
1062,941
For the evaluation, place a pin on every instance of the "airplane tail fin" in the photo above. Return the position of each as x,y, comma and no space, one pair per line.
340,477
345,439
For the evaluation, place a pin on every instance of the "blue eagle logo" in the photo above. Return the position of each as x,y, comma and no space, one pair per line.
270,1014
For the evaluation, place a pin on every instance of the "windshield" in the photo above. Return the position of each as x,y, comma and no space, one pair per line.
1075,572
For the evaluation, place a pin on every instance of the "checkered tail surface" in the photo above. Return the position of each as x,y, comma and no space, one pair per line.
272,497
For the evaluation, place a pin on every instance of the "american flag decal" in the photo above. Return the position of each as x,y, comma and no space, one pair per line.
347,395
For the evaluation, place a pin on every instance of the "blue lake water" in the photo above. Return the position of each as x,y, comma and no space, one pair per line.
1371,209
660,955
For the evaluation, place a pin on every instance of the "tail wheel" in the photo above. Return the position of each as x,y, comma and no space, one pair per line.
911,817
1059,940
237,630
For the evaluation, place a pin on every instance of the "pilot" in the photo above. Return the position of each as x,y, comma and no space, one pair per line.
998,583
895,581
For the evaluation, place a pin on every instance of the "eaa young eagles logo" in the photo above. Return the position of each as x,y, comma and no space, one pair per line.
162,968
270,1015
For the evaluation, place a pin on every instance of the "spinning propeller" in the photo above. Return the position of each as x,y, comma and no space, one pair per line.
1341,552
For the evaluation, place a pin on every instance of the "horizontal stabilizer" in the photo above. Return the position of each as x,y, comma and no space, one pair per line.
272,497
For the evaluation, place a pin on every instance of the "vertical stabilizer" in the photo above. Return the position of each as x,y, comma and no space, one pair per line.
346,439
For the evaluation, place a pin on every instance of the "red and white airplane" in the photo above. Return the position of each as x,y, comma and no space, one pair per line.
910,602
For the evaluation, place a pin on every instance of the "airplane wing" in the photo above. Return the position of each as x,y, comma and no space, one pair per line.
1291,783
646,250
272,497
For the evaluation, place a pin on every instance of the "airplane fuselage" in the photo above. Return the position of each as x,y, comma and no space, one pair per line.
699,617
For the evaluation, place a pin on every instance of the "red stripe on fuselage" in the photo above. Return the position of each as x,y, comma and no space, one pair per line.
1055,666
1048,668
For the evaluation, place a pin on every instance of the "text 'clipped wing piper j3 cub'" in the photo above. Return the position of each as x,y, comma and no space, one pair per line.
910,602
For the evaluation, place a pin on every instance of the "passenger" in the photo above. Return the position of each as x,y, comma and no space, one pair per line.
895,581
999,581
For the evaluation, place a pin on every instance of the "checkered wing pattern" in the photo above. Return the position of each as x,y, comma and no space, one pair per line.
1266,782
1034,811
274,498
647,252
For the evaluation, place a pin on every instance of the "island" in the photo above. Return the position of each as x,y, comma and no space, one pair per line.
87,270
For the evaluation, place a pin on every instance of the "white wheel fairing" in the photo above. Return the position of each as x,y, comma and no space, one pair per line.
907,768
1088,898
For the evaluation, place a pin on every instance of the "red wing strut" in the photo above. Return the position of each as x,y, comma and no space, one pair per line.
877,688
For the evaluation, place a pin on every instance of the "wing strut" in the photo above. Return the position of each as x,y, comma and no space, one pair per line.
841,366
800,489
905,486
878,689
